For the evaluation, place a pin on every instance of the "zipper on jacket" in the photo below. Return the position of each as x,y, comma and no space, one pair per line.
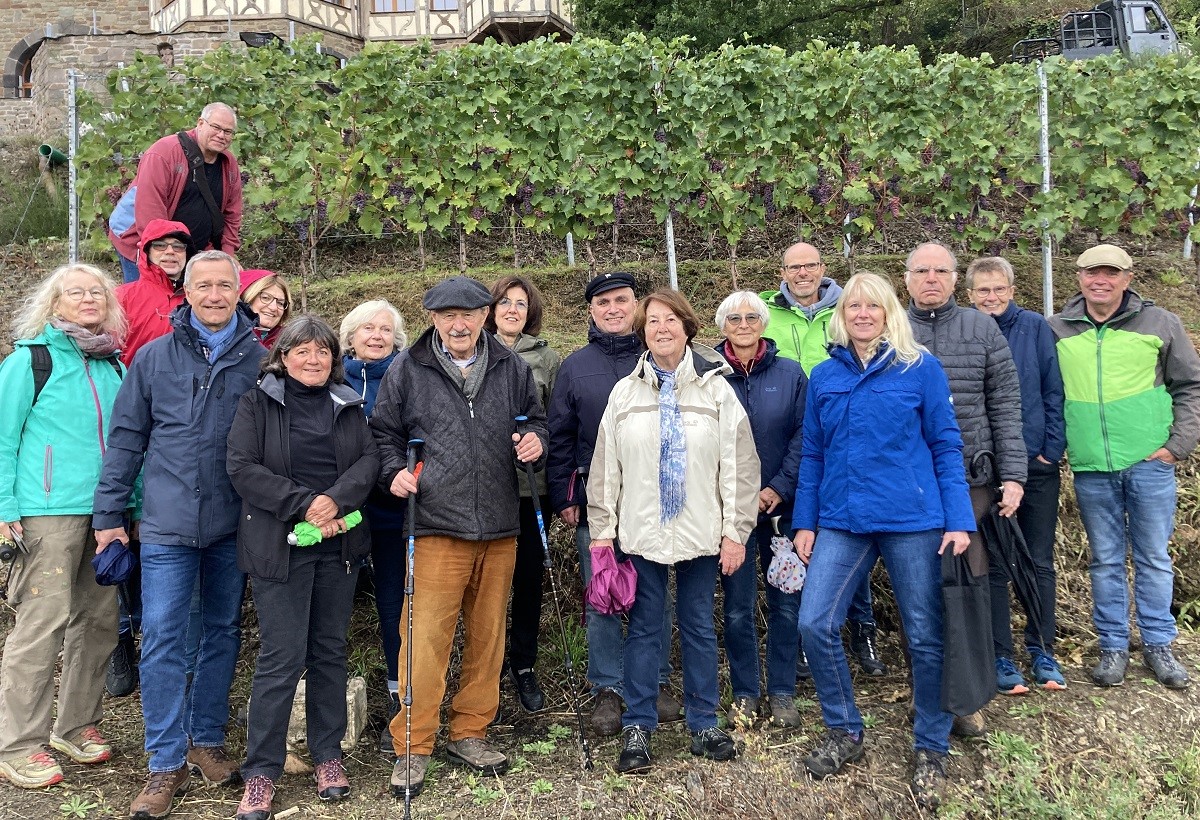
207,376
471,407
87,370
1100,397
48,469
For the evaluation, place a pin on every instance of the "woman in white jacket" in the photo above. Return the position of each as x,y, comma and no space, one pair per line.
674,480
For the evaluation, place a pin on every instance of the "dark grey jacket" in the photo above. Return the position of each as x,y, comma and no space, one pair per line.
173,413
468,486
983,383
260,463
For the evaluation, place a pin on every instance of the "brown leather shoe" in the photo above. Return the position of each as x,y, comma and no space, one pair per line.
668,706
213,765
606,714
154,801
971,725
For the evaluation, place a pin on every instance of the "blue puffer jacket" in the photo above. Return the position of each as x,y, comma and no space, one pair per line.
882,449
773,394
577,403
1033,351
173,412
364,378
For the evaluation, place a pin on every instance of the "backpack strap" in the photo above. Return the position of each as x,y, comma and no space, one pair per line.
196,162
42,365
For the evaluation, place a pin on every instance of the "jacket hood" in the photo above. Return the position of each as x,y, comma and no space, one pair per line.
827,295
249,277
158,229
525,343
343,396
611,344
375,369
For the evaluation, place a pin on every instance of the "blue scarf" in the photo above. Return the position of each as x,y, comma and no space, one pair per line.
214,341
672,448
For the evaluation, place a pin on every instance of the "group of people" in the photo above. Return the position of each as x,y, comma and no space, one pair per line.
188,412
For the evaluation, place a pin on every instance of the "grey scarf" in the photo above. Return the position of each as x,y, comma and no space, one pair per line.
470,383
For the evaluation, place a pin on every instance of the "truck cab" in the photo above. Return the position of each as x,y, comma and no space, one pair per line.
1131,27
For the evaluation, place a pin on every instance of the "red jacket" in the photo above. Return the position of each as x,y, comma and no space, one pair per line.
161,176
149,300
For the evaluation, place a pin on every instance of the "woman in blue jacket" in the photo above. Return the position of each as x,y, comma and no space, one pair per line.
53,431
372,334
772,389
881,476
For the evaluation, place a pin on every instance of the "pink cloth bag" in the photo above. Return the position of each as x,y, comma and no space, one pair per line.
614,584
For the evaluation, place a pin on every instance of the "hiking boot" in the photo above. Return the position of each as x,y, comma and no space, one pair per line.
862,647
532,698
929,778
1046,671
742,711
837,748
386,747
635,750
85,746
154,800
1009,680
668,706
713,743
606,714
476,753
1166,668
802,670
35,771
122,675
783,710
256,799
213,765
414,771
971,725
332,783
1110,671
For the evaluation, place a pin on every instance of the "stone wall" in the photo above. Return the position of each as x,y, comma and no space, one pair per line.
17,117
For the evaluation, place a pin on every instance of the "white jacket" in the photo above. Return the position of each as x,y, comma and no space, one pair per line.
722,465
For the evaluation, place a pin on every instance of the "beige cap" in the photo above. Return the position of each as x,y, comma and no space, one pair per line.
1104,256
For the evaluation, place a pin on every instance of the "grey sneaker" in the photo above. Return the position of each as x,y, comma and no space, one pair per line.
1110,671
476,753
836,749
1166,668
409,769
783,710
929,778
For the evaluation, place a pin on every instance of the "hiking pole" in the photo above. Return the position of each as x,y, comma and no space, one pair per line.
414,468
572,683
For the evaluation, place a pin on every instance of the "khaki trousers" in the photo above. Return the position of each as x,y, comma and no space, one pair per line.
59,607
452,576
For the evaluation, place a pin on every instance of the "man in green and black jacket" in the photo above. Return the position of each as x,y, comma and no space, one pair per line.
1132,382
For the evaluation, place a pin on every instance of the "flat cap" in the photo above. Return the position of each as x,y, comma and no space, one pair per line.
460,292
1104,256
608,281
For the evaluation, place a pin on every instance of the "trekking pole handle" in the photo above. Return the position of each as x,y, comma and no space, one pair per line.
415,462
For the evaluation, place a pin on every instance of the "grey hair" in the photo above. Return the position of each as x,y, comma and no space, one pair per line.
305,328
214,107
908,260
736,300
989,264
38,309
212,256
361,314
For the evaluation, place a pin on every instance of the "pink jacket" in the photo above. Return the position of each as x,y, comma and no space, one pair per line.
161,176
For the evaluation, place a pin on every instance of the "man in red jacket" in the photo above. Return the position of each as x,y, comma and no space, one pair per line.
167,187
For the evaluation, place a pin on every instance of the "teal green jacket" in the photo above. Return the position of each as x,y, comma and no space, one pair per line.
798,337
1132,385
50,452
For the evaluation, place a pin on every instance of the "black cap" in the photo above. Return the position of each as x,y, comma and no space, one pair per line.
608,281
460,292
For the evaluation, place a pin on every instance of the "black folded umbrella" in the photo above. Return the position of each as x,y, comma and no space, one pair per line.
1007,548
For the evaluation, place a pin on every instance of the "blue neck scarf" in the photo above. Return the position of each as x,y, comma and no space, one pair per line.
214,341
672,448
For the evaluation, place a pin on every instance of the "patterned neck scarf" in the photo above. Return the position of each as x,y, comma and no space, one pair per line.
97,345
672,448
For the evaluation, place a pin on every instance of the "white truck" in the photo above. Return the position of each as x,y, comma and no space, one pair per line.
1130,27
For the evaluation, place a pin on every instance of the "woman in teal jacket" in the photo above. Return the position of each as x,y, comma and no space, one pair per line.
58,387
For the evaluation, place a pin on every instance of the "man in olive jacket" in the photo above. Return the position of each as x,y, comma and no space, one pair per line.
459,390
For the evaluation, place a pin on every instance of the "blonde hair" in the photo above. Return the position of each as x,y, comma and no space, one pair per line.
362,314
38,309
256,287
896,329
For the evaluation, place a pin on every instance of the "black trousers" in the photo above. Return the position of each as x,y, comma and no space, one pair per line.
527,590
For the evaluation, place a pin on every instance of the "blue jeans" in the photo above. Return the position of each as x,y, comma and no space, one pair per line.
605,633
839,562
129,269
389,561
1133,508
741,633
169,575
696,584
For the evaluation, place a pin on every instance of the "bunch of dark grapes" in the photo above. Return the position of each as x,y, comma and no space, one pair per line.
853,169
113,192
322,210
960,223
489,150
300,226
893,184
475,166
660,136
1134,168
525,197
715,166
927,155
702,200
477,214
245,177
983,203
619,201
947,182
271,246
893,205
768,195
822,192
358,201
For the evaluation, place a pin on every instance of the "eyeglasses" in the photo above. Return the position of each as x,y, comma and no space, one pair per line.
77,294
163,245
808,267
267,300
229,132
999,290
925,271
520,304
737,319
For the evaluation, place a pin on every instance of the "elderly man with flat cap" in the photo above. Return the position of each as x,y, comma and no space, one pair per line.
1132,382
585,379
459,390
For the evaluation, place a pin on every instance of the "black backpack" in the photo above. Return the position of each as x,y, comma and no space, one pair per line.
43,366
